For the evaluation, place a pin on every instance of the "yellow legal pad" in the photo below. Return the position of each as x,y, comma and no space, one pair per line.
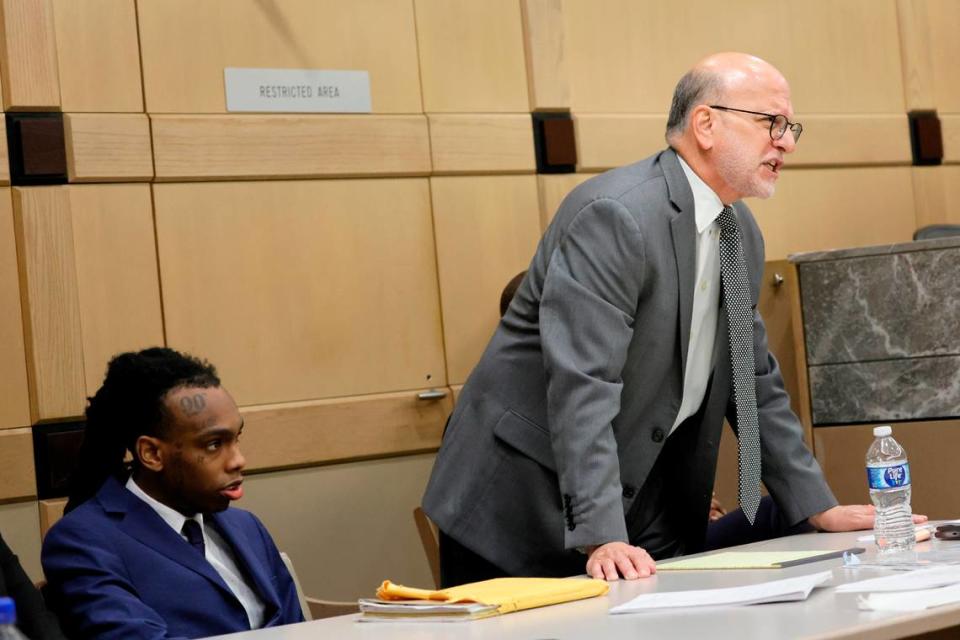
750,560
508,594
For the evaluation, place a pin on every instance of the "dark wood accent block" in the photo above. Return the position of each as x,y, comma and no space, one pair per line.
56,450
36,146
554,142
926,138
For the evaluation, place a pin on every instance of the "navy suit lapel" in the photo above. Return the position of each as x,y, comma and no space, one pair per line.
139,521
251,563
683,228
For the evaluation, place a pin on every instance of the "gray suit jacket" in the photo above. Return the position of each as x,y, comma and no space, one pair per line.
564,416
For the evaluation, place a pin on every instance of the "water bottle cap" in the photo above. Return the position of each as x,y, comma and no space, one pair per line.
8,612
882,432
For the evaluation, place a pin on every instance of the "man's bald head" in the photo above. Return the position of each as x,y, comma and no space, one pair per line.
714,78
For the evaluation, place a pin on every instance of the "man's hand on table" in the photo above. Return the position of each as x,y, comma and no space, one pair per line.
610,561
850,517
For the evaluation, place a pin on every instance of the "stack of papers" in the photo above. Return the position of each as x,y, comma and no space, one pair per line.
913,591
752,559
787,590
421,611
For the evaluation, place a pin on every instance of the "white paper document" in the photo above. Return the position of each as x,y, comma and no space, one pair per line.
787,590
906,581
911,600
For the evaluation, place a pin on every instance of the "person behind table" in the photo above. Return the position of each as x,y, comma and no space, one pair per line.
152,548
587,435
33,617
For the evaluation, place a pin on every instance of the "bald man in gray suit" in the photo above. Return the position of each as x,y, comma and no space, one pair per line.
587,436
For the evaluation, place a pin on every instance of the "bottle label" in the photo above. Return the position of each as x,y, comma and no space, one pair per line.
891,477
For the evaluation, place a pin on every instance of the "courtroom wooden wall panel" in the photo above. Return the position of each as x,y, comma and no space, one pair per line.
15,402
471,56
269,146
49,298
28,59
325,431
487,230
605,141
186,45
17,478
481,143
931,447
951,138
108,147
4,158
937,194
818,209
98,55
627,57
117,281
302,290
20,532
545,47
943,16
347,527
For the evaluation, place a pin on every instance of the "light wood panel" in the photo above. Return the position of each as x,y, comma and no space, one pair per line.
50,512
943,16
98,55
17,476
21,534
545,48
913,20
498,143
327,517
108,147
487,229
819,209
4,158
15,401
950,124
931,448
117,281
471,56
212,147
50,302
310,433
937,195
28,61
840,57
611,140
552,189
184,73
303,290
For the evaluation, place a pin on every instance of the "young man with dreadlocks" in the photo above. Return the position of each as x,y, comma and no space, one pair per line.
150,548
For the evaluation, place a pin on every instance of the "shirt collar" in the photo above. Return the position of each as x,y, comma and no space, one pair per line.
706,204
171,516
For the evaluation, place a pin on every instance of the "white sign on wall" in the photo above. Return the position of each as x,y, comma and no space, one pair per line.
297,90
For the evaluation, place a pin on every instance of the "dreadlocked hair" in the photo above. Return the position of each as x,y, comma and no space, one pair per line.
131,403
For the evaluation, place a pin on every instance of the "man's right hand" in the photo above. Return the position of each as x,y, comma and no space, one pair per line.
610,561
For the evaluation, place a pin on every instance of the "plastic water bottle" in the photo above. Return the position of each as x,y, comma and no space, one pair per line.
888,475
8,621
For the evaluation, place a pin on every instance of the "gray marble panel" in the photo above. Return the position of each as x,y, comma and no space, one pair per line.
891,390
882,307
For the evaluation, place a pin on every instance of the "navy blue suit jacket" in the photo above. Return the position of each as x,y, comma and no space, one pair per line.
115,569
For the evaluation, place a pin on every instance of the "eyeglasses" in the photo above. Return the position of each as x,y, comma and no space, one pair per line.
778,122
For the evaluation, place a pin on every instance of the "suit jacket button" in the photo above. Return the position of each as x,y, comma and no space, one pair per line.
657,435
571,527
629,492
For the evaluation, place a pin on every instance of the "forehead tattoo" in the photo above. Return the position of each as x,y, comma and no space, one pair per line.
192,405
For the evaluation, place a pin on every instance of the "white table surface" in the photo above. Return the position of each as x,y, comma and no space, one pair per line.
825,614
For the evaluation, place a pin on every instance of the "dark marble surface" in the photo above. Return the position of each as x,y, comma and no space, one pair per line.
876,250
890,390
896,306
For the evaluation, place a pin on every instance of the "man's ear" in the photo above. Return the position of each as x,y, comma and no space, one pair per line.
703,122
149,452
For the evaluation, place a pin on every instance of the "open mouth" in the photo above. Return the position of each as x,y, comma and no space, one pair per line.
773,165
233,491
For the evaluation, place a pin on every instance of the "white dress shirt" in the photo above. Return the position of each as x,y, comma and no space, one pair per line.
217,551
706,296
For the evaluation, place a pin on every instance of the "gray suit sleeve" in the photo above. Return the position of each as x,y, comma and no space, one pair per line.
587,310
790,472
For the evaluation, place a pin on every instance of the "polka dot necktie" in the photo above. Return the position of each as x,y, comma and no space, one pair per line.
736,293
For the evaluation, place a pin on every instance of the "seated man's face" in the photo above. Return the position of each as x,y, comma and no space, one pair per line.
203,465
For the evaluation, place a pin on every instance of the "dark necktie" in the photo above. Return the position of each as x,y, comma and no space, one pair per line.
191,529
736,293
